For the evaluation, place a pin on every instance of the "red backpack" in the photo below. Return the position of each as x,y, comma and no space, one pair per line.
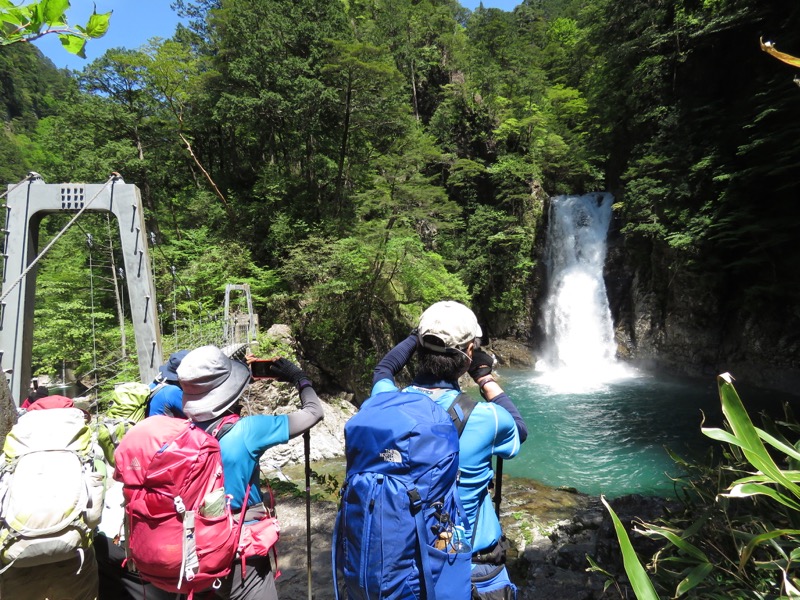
181,535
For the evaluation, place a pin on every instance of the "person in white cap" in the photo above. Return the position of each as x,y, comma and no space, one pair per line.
212,386
446,343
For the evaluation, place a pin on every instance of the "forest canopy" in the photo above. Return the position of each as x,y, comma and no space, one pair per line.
356,161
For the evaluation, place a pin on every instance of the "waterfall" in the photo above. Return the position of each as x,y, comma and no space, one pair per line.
580,350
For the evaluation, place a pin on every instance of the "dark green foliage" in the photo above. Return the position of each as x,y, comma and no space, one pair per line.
699,141
355,160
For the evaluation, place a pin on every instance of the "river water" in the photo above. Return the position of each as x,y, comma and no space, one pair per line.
611,438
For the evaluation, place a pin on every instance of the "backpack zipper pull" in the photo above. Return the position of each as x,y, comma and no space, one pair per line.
179,505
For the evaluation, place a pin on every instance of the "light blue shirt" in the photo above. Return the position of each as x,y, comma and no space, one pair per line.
242,447
490,431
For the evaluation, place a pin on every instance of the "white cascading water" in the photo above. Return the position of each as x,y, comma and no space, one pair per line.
580,352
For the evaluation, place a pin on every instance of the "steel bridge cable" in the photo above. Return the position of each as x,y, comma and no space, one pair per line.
30,177
90,244
58,236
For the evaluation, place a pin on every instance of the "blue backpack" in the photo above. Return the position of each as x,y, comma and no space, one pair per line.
398,502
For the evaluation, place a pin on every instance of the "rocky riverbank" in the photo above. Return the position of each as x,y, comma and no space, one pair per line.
552,531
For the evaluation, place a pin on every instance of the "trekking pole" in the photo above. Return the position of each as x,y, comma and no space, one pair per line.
307,450
498,486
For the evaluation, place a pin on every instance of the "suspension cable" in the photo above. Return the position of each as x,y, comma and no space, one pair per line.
29,177
56,238
90,244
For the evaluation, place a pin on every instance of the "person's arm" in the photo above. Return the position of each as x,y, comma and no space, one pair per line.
481,372
394,361
310,412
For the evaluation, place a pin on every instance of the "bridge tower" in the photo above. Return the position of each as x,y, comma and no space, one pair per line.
26,206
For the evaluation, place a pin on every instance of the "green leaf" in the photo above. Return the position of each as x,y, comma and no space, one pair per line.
678,541
747,436
779,445
746,490
642,586
790,475
760,539
73,44
695,576
98,24
53,10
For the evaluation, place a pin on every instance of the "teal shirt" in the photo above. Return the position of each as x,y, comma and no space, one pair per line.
242,447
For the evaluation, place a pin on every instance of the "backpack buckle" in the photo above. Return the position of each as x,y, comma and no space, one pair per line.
414,500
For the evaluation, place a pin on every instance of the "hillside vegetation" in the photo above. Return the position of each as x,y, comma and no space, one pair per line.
356,161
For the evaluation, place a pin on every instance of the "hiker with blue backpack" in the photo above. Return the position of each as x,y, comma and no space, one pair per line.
447,345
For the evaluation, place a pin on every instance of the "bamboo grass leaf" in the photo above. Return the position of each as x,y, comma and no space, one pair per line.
678,541
791,475
747,435
779,445
695,576
747,551
640,582
746,490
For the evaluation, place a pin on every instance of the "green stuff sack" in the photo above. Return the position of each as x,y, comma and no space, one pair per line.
51,488
128,407
129,401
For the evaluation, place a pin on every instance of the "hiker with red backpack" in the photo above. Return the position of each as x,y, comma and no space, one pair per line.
196,518
447,345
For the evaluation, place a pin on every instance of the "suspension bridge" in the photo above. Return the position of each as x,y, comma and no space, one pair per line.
27,203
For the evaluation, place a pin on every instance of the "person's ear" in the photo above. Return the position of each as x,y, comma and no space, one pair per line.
470,349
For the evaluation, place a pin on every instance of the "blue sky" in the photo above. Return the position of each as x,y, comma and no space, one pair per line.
136,21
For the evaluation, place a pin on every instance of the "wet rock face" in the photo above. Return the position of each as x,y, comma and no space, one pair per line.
686,322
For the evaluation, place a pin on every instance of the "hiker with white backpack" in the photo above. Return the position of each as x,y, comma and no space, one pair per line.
52,482
197,521
447,346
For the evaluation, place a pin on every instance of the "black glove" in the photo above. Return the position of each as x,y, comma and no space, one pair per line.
286,370
481,365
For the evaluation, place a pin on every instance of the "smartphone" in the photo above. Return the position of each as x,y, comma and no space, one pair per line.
260,368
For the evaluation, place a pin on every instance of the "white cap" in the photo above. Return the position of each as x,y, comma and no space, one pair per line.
447,325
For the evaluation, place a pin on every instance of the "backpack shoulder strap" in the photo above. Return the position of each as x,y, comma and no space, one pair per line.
156,389
460,410
152,394
223,426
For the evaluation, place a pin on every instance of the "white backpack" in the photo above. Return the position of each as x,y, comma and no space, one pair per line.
51,488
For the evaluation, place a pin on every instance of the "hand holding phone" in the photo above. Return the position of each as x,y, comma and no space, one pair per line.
261,368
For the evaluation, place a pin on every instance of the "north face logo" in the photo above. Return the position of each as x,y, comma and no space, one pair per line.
391,455
135,466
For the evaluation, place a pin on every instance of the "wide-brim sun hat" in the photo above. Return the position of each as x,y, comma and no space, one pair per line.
169,370
211,382
447,325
